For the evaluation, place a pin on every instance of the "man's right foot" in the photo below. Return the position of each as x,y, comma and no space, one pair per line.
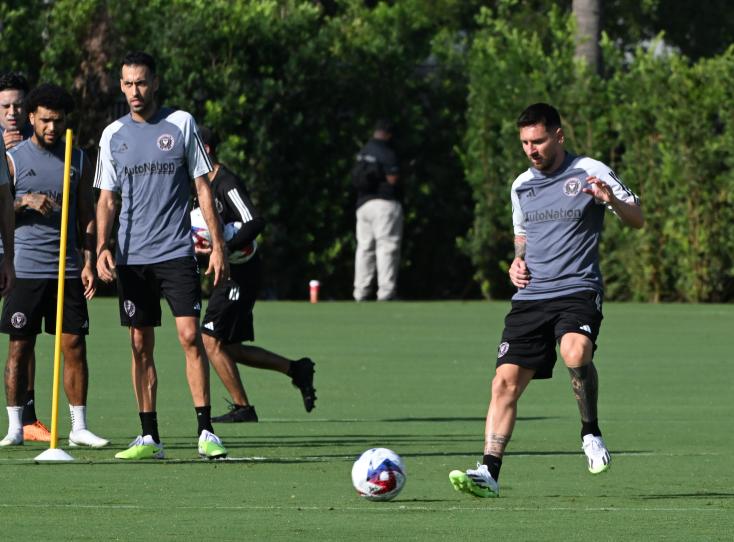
12,439
84,437
301,373
142,448
237,414
597,455
477,482
36,431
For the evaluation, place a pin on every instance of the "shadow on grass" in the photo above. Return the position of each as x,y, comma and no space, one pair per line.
700,495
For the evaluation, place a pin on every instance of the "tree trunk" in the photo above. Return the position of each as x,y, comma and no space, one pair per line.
588,30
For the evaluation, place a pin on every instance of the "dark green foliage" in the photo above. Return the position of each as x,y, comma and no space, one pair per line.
295,86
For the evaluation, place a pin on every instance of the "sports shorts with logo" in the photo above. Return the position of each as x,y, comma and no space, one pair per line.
229,312
33,300
533,328
140,287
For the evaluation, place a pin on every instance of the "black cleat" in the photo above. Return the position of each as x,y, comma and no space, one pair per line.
301,373
237,414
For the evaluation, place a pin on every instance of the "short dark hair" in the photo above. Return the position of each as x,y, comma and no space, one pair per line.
386,125
51,97
540,113
139,58
209,137
13,81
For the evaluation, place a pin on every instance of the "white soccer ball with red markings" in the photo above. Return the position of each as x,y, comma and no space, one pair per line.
201,236
378,474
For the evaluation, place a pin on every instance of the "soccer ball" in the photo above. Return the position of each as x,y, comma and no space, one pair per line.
378,474
200,235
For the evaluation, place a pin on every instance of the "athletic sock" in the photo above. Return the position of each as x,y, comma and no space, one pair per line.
494,464
29,408
204,419
590,428
15,423
149,421
78,417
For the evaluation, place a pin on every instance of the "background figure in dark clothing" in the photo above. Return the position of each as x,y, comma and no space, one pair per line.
379,216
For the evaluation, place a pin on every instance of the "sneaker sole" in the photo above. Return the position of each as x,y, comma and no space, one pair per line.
213,457
154,455
463,483
604,469
85,445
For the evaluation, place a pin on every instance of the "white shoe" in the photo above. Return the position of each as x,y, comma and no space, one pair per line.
477,482
84,437
596,453
13,439
210,446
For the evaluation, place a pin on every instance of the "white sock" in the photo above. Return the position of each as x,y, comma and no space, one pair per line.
78,417
15,423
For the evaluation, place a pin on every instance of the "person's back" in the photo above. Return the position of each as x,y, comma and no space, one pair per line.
378,160
379,216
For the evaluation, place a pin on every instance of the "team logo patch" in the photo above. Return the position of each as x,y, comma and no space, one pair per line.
502,349
129,307
572,187
18,320
165,142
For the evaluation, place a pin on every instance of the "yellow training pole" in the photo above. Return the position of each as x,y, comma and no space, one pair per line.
53,453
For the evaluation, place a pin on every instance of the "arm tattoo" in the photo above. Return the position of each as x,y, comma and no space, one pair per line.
585,382
495,444
520,247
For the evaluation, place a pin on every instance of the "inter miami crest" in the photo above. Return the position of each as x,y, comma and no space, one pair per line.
165,142
572,187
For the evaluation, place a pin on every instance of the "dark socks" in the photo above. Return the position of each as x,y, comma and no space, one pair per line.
29,408
204,419
590,428
493,465
149,422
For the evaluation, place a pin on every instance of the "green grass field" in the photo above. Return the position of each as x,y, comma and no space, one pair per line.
413,377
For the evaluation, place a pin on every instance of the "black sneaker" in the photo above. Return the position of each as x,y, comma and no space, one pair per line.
301,373
237,414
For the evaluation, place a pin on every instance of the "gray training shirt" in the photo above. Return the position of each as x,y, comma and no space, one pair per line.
151,165
562,226
41,171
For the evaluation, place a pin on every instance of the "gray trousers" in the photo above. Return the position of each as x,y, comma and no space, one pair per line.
379,233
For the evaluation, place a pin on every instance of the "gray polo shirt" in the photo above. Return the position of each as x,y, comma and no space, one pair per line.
39,170
151,165
562,226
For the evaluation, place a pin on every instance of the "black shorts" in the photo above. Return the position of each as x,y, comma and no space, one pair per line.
139,290
229,312
33,300
532,329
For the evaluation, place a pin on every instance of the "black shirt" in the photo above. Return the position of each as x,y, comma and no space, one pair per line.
234,205
381,150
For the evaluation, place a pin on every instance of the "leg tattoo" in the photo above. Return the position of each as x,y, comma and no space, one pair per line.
495,444
585,384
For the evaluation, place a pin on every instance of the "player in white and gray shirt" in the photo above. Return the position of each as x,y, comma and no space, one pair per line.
149,157
558,208
37,169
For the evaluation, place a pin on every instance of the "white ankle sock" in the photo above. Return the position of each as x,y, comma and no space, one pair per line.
15,423
78,417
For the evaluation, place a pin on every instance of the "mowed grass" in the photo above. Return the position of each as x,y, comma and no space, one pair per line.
413,377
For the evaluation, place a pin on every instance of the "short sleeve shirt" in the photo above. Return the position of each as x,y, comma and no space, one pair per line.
151,164
41,171
562,225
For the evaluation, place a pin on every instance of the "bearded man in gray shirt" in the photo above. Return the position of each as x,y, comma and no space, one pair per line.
558,208
149,157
